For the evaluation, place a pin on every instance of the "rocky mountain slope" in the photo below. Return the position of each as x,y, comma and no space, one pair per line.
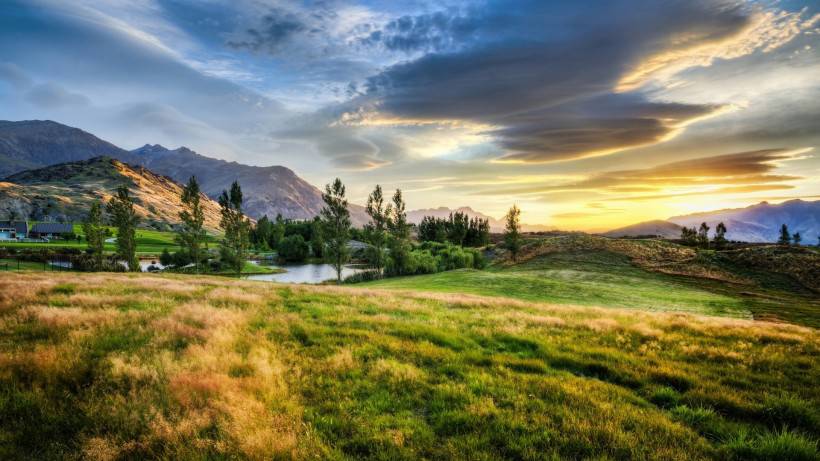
66,191
268,190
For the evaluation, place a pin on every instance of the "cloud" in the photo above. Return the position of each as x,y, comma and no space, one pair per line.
15,76
52,96
274,30
557,83
739,172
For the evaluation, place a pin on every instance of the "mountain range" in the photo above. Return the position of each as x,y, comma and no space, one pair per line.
756,223
268,190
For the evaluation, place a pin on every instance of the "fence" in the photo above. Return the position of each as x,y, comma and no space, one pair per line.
53,263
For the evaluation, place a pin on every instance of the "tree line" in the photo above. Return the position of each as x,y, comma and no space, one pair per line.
389,250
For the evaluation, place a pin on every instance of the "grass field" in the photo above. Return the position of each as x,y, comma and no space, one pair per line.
602,278
108,366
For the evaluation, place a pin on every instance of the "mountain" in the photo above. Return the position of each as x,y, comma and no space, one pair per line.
761,222
66,191
496,225
755,223
268,190
657,228
34,144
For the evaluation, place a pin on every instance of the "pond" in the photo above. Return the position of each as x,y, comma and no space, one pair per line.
304,273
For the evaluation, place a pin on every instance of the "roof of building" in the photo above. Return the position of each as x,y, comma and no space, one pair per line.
21,227
52,228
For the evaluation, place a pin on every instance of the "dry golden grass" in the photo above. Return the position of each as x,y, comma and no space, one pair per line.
184,367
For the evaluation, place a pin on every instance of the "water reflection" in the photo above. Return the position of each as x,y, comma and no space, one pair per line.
304,273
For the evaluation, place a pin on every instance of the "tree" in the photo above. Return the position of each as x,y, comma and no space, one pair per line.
125,219
234,246
376,230
95,234
399,242
192,233
432,229
785,237
720,236
336,226
797,238
458,225
512,231
293,248
703,235
478,233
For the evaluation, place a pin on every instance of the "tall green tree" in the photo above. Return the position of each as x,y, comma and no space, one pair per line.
376,230
720,236
785,236
192,234
797,238
95,233
123,216
703,235
458,226
399,242
336,226
235,243
512,231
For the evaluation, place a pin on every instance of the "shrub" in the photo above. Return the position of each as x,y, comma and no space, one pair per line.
293,248
363,276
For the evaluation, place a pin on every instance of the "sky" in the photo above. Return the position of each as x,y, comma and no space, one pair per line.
588,115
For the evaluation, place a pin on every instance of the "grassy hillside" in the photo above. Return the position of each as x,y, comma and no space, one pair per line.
68,189
109,366
644,274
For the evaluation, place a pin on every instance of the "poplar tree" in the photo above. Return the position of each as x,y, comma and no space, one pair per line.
95,233
720,236
336,226
785,237
125,219
512,231
192,233
234,246
376,229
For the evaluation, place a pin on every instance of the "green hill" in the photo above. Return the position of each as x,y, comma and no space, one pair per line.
761,282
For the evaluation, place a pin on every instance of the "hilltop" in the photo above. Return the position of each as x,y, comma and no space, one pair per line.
66,191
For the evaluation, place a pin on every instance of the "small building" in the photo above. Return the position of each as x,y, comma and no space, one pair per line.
13,230
50,230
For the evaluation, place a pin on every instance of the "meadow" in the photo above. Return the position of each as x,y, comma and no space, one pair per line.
135,366
617,273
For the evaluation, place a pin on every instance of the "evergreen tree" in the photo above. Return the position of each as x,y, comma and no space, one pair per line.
235,243
399,242
336,226
192,233
512,231
95,234
125,219
376,229
703,235
797,238
458,226
720,236
785,237
432,229
317,241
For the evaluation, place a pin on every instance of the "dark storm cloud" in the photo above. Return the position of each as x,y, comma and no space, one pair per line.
545,74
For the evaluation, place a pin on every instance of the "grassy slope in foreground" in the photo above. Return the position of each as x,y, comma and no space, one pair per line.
599,277
183,367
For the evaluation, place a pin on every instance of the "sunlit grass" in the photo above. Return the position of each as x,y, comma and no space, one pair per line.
108,366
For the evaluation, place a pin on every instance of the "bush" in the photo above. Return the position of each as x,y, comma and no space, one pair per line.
293,248
363,276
